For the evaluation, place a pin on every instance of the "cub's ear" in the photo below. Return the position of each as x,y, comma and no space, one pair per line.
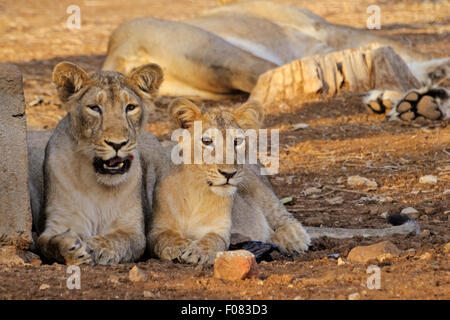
250,115
184,113
69,79
147,79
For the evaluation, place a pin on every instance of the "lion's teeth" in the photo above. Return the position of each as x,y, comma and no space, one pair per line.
105,166
120,165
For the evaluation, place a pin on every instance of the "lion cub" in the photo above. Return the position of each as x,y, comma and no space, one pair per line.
100,167
198,206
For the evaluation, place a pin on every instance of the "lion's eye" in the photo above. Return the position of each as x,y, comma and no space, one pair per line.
131,107
207,141
95,108
238,141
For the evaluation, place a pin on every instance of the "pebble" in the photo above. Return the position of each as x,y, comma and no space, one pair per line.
137,275
409,210
379,251
341,262
428,179
299,126
354,296
426,256
358,181
44,286
446,192
235,265
335,200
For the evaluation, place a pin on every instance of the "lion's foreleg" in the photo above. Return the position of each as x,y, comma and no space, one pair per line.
117,246
168,244
288,233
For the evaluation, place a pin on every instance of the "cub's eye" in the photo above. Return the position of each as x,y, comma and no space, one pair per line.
238,141
131,107
95,108
207,141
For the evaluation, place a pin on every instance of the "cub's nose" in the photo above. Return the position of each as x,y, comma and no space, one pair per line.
116,145
228,174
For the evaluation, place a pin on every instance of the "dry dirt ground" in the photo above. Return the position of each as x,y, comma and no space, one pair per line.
342,139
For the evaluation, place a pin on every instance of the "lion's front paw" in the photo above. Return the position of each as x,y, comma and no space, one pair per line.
174,251
101,251
195,254
72,249
291,238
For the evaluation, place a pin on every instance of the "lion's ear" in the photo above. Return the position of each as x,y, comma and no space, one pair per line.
69,79
184,113
147,79
250,115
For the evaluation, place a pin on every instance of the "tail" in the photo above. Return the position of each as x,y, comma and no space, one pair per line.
402,224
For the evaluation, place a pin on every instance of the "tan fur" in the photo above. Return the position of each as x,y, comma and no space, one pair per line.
86,216
195,210
229,47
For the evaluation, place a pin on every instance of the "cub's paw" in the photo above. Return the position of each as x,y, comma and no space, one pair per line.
195,254
101,251
381,101
420,105
291,238
72,249
174,251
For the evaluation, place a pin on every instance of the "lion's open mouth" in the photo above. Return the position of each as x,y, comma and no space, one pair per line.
114,165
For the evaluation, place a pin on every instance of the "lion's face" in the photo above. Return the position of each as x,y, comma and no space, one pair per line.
108,111
220,143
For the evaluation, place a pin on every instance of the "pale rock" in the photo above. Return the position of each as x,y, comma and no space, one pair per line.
299,126
363,254
137,275
235,265
358,181
428,179
44,286
409,211
354,296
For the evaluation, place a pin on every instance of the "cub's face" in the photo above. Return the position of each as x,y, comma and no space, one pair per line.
108,111
218,140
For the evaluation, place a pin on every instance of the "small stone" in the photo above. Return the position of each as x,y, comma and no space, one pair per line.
446,192
358,181
235,265
137,275
428,179
354,296
310,191
363,254
409,211
341,262
426,256
299,126
384,214
44,286
335,200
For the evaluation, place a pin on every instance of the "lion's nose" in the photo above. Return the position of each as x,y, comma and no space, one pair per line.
116,145
228,174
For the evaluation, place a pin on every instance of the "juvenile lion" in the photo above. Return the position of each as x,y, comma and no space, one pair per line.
99,167
198,207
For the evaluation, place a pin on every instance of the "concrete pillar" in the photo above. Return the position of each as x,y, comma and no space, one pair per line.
15,213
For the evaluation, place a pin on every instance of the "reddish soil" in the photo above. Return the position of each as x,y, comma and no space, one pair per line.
342,139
